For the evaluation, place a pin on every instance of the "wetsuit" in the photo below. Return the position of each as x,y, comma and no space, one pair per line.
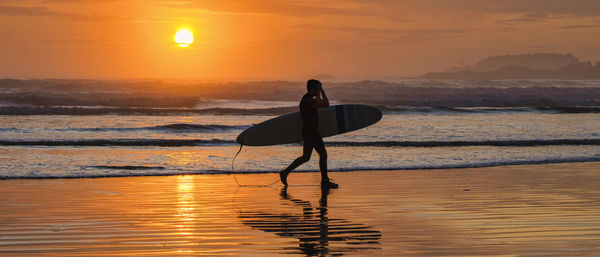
310,131
312,139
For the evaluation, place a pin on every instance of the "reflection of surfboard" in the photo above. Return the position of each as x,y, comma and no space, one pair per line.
333,120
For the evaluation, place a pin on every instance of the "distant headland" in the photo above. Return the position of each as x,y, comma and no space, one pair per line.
523,66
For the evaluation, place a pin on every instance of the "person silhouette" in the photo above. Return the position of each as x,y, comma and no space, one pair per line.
313,99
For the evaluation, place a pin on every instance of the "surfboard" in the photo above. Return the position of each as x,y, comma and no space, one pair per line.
287,129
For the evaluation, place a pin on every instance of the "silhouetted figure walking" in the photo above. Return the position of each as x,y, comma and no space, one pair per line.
313,99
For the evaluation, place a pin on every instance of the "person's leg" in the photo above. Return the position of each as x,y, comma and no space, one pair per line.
306,152
320,148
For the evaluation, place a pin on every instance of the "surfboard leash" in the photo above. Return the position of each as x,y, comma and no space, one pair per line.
235,178
232,161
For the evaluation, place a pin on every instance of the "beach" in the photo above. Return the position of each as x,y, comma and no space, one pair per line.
164,128
522,210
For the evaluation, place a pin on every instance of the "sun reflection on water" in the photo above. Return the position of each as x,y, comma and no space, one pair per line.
185,215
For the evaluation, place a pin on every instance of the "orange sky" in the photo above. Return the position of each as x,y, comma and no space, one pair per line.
277,39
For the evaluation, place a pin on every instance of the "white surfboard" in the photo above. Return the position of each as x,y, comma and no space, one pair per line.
287,129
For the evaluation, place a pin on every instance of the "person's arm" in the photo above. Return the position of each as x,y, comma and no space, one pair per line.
322,101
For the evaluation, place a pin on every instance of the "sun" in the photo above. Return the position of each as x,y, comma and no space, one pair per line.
184,38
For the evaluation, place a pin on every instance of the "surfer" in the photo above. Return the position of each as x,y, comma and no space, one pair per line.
313,99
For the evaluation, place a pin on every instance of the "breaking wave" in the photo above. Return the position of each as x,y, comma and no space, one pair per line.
60,110
174,128
127,167
215,142
136,171
389,109
548,109
468,143
118,142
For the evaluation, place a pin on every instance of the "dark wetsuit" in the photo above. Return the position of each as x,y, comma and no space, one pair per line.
310,131
312,139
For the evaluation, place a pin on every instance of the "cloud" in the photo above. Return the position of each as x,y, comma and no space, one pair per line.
391,35
26,11
529,18
549,7
276,7
154,19
85,41
579,27
46,12
395,10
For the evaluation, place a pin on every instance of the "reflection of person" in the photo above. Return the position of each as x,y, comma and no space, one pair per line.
313,99
318,235
319,226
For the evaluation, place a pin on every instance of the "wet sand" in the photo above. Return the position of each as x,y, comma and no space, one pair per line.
529,210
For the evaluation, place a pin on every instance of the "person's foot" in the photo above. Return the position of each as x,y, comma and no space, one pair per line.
283,192
283,177
328,183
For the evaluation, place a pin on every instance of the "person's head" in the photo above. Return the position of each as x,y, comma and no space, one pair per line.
312,86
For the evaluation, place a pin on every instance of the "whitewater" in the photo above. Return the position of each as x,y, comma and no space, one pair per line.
113,130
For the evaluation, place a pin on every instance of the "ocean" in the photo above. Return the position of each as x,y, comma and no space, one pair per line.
90,128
